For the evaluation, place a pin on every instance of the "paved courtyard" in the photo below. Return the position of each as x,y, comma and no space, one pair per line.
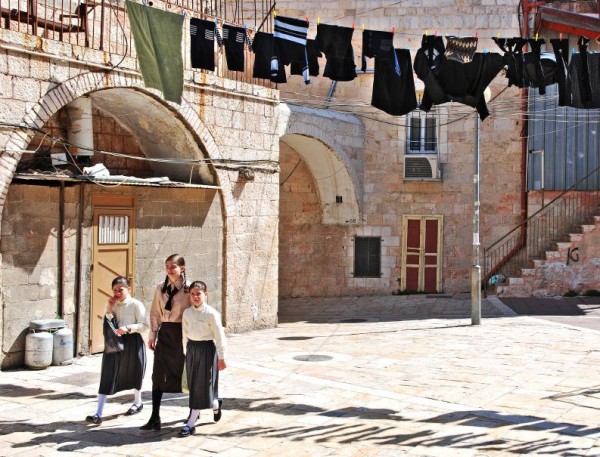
369,376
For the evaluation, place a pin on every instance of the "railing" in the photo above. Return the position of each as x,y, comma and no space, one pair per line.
103,24
536,234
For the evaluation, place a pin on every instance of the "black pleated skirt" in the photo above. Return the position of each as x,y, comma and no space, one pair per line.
202,374
124,370
168,359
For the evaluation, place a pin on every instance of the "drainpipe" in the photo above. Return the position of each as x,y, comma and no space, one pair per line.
78,269
61,253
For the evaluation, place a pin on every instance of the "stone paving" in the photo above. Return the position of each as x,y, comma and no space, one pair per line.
369,376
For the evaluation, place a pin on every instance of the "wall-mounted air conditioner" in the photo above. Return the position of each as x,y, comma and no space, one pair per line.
421,167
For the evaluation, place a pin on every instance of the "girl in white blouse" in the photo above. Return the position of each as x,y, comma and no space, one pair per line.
125,369
204,345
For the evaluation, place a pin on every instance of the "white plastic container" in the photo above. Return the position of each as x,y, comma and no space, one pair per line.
63,347
38,350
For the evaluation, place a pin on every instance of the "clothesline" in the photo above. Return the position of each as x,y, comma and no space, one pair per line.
450,71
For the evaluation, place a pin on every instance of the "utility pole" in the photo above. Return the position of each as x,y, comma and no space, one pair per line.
476,271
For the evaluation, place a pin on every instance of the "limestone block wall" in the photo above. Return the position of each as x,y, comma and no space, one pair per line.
234,124
189,222
387,196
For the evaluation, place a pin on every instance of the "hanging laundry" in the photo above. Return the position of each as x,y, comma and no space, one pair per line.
202,38
561,55
263,45
461,49
336,43
313,60
233,39
513,57
539,70
157,35
449,80
376,43
583,78
394,92
289,46
428,60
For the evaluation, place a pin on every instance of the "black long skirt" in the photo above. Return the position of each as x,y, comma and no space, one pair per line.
202,373
168,359
124,370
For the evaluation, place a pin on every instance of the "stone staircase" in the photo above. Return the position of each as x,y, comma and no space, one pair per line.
571,264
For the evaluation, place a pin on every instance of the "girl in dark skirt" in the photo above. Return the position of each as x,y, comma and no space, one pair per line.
125,369
171,298
204,345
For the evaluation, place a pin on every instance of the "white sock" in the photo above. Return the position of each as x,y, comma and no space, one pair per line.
215,404
194,413
137,397
101,402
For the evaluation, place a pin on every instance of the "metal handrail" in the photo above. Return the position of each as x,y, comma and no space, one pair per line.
528,240
104,25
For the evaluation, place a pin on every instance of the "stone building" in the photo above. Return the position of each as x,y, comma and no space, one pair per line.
273,191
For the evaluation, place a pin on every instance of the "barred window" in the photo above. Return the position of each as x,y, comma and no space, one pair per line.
367,257
422,134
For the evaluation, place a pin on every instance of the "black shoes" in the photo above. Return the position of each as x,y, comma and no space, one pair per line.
186,431
217,413
135,409
95,419
152,424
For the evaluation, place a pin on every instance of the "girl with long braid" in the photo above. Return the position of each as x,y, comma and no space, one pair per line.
171,299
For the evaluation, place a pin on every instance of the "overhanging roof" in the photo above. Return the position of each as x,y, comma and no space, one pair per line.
37,178
581,24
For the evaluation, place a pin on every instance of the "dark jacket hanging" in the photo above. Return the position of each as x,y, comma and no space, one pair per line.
233,39
376,43
336,43
392,92
202,49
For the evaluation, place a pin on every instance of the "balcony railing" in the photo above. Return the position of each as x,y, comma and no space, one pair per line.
103,24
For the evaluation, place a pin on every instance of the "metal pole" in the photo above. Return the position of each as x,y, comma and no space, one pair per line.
476,271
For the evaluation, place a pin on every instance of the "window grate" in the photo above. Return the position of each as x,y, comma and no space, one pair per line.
113,229
367,257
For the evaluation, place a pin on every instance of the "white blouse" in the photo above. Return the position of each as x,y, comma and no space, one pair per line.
203,324
130,313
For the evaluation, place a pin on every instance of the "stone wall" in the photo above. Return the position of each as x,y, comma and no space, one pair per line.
228,121
387,197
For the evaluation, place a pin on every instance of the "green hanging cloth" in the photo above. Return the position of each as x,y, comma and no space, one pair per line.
157,36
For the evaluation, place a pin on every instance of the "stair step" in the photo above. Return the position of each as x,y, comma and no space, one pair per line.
563,245
573,237
585,228
552,255
515,281
527,271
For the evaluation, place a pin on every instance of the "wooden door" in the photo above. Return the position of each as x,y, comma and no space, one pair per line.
421,259
113,255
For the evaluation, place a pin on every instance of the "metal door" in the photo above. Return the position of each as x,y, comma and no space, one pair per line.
112,253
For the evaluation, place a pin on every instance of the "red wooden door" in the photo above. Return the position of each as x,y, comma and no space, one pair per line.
421,269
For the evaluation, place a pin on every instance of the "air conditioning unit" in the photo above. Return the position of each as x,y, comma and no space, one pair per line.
421,167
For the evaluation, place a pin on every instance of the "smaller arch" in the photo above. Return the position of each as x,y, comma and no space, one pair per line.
307,131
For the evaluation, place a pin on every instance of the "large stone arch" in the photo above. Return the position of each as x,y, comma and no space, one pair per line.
84,84
329,143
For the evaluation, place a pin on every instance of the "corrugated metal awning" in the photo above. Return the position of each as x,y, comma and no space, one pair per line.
39,178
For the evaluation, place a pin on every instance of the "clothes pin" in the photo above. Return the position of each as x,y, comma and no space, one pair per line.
363,27
560,36
318,20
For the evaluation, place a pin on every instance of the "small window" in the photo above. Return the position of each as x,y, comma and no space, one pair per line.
422,134
367,257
